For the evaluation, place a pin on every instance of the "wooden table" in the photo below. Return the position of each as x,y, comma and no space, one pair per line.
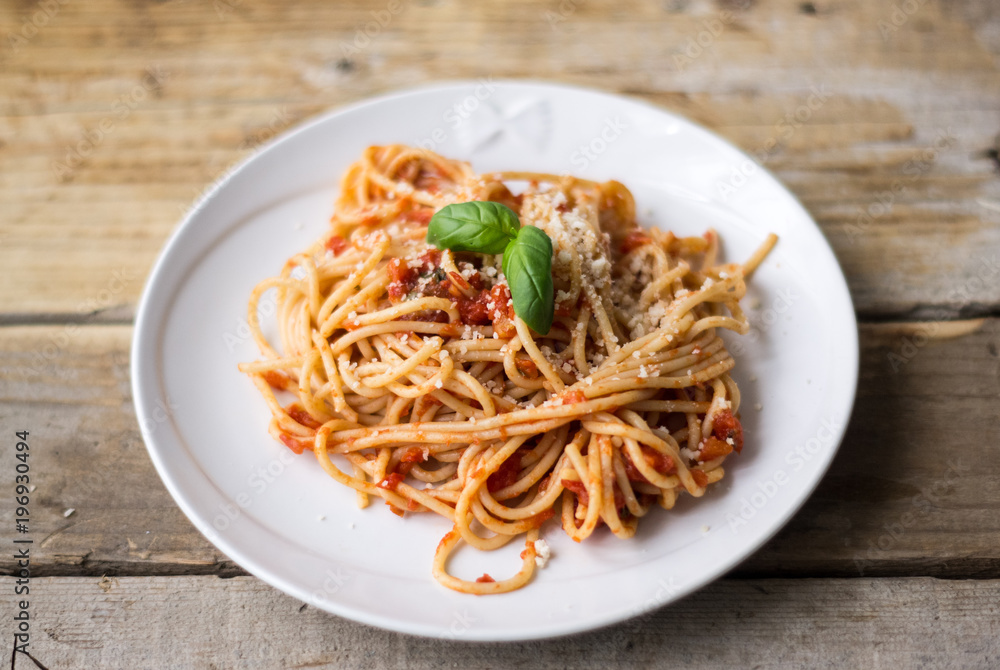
114,116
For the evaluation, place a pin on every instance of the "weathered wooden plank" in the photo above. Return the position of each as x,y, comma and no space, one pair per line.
912,490
69,386
206,622
908,110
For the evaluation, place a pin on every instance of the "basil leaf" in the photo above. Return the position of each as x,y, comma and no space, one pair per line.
491,228
527,263
484,227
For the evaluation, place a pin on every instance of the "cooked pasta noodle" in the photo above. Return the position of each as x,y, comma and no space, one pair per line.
405,370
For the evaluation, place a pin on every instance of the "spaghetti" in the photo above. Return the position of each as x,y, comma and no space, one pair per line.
410,364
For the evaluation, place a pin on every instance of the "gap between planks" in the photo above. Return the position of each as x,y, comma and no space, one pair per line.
890,471
244,623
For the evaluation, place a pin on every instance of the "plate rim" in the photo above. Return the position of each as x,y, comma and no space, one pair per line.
143,342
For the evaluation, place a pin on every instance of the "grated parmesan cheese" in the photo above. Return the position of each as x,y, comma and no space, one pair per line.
543,553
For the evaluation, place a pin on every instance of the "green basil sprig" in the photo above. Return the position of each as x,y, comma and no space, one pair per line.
527,263
492,228
484,227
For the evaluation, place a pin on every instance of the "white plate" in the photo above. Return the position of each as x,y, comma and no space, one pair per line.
205,424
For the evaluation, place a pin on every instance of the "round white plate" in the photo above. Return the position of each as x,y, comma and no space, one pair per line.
280,517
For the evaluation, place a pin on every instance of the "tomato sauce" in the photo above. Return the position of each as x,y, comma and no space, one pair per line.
579,488
726,426
662,463
296,444
410,457
542,517
391,481
401,279
279,380
421,216
526,367
506,474
301,416
502,312
337,245
473,311
713,447
634,239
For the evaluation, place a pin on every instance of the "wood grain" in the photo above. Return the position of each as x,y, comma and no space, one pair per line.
185,89
243,623
69,386
911,489
911,492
